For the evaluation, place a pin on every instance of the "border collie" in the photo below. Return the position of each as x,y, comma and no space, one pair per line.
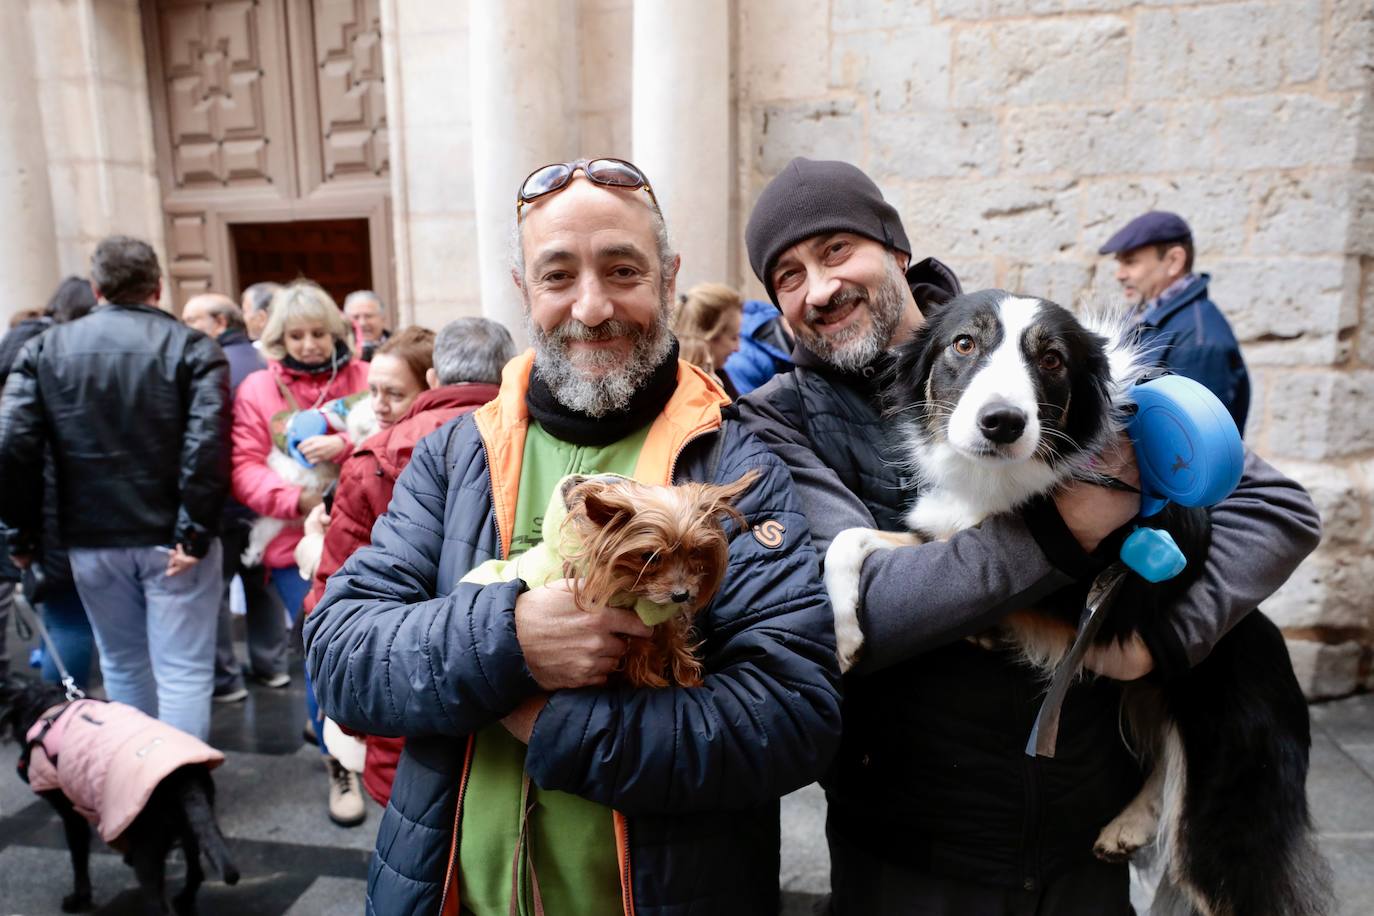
1000,398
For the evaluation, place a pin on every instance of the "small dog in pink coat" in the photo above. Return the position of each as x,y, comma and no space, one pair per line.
143,785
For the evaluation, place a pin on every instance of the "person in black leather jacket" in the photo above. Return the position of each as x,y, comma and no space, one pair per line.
134,405
47,582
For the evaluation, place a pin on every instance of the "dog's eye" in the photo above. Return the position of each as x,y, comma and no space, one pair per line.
964,345
1051,361
650,557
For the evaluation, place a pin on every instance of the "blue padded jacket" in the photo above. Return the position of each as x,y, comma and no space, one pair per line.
399,647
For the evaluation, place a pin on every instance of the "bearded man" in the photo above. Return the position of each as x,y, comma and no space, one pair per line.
530,782
933,806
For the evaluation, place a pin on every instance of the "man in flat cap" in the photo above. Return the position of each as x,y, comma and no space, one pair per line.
1154,265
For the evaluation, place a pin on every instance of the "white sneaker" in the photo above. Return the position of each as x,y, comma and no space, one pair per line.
346,807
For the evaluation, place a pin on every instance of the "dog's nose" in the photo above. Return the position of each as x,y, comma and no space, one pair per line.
680,597
1002,423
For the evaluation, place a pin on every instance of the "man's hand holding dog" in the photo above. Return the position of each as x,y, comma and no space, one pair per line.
568,646
1092,512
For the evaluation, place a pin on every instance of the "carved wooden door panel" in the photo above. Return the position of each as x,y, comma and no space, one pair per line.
265,111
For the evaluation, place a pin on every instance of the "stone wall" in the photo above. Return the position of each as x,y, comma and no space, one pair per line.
1016,135
92,89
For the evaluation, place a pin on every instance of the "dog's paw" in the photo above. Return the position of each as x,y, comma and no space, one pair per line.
844,563
1128,832
79,902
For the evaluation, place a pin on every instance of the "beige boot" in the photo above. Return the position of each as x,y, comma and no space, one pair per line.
345,795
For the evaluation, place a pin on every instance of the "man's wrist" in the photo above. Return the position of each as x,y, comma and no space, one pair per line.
1057,540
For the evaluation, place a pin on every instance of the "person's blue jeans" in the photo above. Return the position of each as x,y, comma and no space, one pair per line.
65,617
292,589
156,633
7,590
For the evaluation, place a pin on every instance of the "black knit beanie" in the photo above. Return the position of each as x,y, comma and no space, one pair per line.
808,198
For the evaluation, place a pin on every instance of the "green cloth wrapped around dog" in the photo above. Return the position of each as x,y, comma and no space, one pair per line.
543,563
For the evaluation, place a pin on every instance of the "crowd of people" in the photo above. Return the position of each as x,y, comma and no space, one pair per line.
347,477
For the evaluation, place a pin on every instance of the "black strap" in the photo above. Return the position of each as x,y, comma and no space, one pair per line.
27,753
524,856
286,393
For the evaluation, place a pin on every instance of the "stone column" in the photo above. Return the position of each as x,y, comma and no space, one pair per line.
681,127
28,241
523,64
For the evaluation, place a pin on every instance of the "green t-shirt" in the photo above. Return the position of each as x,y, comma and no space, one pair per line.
571,839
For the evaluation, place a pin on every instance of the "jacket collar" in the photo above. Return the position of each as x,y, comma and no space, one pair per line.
869,380
231,337
432,409
462,394
693,410
135,307
1163,311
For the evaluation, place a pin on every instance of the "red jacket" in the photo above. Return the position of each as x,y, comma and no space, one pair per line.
256,401
364,491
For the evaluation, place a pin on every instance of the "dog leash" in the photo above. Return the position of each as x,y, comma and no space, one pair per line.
33,621
1045,733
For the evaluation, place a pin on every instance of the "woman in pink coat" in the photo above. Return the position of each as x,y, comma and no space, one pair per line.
309,349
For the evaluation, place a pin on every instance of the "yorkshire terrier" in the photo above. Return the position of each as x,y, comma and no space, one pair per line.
662,545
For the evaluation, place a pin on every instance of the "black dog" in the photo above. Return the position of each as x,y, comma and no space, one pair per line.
1000,398
179,812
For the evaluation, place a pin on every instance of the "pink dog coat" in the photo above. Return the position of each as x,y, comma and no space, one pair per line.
107,758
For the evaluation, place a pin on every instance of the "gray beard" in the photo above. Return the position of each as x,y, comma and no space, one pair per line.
855,347
599,383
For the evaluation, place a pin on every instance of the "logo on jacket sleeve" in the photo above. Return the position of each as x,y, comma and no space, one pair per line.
769,533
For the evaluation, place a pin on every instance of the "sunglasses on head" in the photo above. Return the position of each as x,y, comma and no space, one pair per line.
612,173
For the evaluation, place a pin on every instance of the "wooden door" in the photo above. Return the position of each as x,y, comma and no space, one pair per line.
266,112
332,252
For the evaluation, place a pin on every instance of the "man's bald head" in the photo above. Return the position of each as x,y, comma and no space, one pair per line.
212,314
585,189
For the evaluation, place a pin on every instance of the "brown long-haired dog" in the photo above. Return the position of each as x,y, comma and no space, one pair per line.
663,544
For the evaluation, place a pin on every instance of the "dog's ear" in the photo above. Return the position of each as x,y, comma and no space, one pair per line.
602,501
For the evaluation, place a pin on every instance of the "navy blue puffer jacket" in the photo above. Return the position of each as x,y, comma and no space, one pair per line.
398,647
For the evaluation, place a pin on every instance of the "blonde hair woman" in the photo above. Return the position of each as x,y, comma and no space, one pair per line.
297,305
707,328
309,349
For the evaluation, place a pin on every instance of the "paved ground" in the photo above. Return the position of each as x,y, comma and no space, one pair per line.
271,801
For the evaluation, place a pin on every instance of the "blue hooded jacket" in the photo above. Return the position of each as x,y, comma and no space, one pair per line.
762,352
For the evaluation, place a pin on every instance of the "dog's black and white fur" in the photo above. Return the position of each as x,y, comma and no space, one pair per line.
1000,398
180,812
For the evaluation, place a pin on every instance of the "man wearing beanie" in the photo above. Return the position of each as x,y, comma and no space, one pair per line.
933,805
